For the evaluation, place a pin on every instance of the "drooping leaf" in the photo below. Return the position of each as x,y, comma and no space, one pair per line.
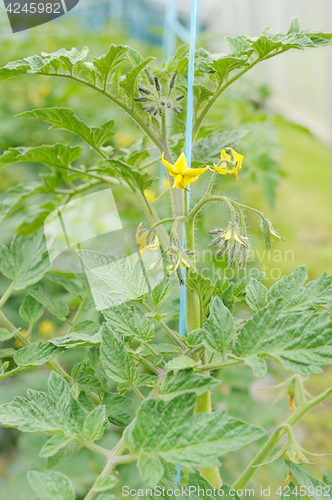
219,329
65,119
26,261
170,431
36,354
31,310
55,156
312,485
115,359
56,306
123,319
119,410
186,381
51,485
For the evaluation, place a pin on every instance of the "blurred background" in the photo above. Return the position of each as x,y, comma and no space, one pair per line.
284,104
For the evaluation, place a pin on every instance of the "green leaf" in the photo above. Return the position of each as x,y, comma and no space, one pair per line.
171,431
108,63
144,380
299,298
256,295
7,353
161,291
115,359
105,483
309,481
124,280
36,354
256,327
150,467
124,320
88,378
119,410
77,340
62,455
122,170
94,424
219,329
6,334
14,68
240,285
53,445
55,156
65,119
53,304
51,485
203,288
289,493
181,363
195,337
128,84
196,481
186,381
31,310
220,68
68,284
258,365
16,195
208,149
26,261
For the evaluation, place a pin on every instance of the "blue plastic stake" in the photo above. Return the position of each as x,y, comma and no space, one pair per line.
189,133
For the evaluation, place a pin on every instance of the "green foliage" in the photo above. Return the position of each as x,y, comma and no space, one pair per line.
51,486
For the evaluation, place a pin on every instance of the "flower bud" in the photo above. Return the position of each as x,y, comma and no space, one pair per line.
149,76
172,80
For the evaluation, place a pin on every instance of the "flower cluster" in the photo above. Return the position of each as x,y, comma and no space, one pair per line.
232,242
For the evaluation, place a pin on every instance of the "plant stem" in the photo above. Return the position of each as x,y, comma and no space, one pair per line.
219,364
271,443
79,313
137,392
156,355
7,294
166,328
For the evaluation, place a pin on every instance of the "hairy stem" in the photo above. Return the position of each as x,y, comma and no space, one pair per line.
272,442
166,328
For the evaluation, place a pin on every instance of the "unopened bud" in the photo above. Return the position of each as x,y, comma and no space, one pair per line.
141,99
172,80
144,90
157,84
180,97
149,76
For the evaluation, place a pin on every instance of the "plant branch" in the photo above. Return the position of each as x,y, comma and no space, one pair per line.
166,328
7,294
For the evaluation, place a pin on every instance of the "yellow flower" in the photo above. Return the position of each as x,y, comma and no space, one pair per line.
46,328
231,162
232,235
273,232
180,172
146,239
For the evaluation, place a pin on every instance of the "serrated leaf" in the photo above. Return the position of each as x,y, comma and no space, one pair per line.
55,156
186,381
181,363
31,310
196,481
220,68
65,119
56,306
16,195
161,291
208,149
144,380
170,431
124,279
26,261
115,359
240,285
128,84
195,337
219,329
150,467
119,410
94,424
256,295
88,378
258,365
307,481
36,354
53,445
289,492
51,485
62,455
108,63
124,320
7,353
77,340
68,284
122,170
105,483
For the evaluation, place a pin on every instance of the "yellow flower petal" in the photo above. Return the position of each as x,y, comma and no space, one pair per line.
180,172
169,166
